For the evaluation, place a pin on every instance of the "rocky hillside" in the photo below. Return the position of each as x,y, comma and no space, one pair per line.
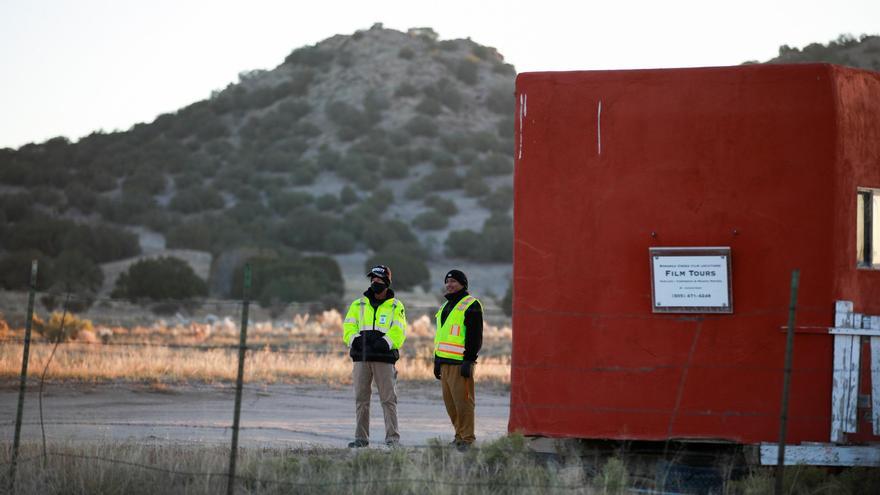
389,145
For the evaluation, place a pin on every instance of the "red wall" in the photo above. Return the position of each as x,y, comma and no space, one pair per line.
858,165
746,157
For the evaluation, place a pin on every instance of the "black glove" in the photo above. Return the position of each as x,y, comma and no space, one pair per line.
467,369
437,370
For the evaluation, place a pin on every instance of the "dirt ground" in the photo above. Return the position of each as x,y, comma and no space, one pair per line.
271,416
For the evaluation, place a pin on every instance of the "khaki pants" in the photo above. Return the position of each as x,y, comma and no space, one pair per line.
458,395
385,377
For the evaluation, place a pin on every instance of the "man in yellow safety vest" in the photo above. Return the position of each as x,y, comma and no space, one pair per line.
374,329
458,339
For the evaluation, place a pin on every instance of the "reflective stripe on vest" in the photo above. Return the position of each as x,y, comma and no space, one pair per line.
451,348
465,302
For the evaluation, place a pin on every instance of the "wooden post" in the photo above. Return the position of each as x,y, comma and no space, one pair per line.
22,386
242,347
783,415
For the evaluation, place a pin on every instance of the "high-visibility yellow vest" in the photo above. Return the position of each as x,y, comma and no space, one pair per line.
449,339
389,318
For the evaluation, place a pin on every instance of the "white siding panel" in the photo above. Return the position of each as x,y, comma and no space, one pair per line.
844,392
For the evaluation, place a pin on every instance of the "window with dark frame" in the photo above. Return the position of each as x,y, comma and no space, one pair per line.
868,228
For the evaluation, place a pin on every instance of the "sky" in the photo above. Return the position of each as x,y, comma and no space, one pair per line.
72,67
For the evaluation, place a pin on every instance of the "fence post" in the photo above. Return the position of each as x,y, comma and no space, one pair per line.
783,415
242,347
24,369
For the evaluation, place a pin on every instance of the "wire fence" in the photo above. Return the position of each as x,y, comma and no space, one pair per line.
213,334
811,368
583,478
115,311
314,335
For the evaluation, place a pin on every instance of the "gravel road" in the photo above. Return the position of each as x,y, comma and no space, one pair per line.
272,416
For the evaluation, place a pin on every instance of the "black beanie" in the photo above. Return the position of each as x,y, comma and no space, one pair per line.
457,275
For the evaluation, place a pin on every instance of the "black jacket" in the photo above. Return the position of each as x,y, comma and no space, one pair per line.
369,345
473,324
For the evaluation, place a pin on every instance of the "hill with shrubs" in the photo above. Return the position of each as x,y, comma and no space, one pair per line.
394,146
379,146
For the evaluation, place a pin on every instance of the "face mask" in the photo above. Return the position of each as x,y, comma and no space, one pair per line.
378,287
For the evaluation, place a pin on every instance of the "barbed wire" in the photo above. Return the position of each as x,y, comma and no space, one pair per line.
577,447
279,349
813,418
257,389
126,463
315,307
684,319
257,347
638,484
515,367
312,307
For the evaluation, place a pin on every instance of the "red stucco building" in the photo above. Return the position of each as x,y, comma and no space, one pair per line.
777,164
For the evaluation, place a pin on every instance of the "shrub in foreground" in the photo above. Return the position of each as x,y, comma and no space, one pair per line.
61,326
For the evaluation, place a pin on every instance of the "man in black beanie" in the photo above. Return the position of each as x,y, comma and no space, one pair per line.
457,342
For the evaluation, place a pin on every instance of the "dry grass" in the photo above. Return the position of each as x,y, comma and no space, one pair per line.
306,349
501,466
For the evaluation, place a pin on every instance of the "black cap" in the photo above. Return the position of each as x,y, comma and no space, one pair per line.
457,275
382,272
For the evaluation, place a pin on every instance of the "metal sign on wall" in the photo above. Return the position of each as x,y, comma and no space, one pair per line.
691,280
